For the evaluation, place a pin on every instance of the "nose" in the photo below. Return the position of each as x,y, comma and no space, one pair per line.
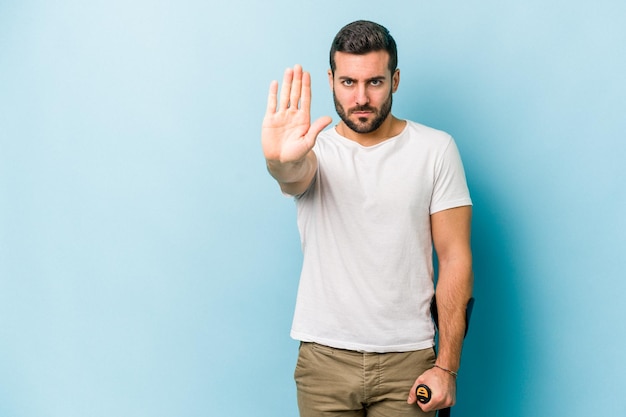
361,96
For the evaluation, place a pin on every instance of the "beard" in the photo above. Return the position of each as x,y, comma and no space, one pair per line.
363,125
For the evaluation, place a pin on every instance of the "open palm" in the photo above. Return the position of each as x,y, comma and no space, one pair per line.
287,134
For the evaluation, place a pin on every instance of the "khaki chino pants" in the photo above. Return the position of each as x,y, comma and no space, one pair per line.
343,383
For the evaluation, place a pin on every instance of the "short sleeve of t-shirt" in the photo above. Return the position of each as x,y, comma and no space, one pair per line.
450,186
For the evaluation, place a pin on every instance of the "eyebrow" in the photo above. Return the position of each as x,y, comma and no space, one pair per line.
376,78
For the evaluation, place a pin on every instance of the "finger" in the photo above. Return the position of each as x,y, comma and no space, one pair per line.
296,87
305,100
425,407
314,130
412,396
319,125
285,90
271,98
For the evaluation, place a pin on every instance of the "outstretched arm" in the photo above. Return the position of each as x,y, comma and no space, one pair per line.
451,238
287,135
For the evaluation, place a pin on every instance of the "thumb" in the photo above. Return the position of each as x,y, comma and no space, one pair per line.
412,396
412,393
317,126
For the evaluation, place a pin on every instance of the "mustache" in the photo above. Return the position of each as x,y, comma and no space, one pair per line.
362,108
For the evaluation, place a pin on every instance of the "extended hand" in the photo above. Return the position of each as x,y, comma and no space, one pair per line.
287,134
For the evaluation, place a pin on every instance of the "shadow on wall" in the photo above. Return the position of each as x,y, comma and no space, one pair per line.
495,362
495,357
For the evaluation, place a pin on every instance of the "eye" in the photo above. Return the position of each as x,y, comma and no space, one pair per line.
347,83
376,83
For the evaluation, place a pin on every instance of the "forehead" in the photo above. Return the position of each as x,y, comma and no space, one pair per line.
372,64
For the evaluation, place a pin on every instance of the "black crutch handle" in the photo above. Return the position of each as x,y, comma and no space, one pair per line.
423,393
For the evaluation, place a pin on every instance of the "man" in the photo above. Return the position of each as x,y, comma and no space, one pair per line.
374,195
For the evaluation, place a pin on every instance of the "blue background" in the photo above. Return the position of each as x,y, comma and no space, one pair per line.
149,265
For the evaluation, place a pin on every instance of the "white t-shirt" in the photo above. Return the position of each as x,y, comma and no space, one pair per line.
367,274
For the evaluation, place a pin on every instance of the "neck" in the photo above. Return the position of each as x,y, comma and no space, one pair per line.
391,127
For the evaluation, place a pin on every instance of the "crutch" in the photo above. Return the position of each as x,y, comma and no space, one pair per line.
422,391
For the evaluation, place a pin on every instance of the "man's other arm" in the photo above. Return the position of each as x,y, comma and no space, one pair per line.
451,238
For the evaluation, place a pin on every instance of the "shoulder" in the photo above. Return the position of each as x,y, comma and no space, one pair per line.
427,139
427,132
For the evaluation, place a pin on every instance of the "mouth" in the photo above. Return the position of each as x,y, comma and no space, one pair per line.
361,112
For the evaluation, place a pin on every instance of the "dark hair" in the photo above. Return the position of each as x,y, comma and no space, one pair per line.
362,37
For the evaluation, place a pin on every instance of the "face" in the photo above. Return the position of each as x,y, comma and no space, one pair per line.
362,89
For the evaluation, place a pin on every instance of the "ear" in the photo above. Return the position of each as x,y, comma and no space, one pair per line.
395,80
330,79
